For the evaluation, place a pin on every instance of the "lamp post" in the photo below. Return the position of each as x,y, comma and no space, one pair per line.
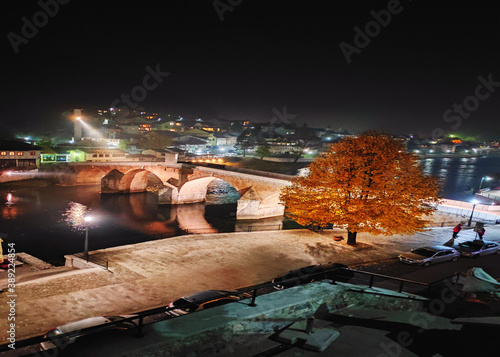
86,248
484,178
474,203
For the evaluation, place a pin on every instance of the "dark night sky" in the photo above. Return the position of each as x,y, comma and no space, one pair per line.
264,55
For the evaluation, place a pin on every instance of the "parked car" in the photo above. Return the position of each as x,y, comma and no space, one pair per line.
429,255
202,300
311,273
478,247
68,333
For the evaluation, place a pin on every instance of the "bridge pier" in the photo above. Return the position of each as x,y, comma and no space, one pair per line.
168,195
111,182
251,206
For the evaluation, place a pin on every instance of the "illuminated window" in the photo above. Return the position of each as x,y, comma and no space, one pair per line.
3,153
19,153
11,153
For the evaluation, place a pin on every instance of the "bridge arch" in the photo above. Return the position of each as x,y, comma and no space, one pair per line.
90,176
196,189
135,180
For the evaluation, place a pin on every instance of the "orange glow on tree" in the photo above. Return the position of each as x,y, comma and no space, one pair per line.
364,184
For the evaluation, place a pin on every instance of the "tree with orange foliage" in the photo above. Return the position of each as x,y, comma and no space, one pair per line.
364,184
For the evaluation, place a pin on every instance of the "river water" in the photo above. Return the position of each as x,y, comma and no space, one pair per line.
36,217
461,177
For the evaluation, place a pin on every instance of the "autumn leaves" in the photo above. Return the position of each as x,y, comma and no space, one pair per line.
363,184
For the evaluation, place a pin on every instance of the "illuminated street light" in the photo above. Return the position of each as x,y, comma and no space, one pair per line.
86,248
484,178
474,203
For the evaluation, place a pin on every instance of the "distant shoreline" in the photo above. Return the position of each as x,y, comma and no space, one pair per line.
449,156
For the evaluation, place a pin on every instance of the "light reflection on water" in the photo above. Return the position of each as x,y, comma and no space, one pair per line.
36,218
33,216
460,177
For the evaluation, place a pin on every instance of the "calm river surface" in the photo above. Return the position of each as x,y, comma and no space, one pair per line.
36,217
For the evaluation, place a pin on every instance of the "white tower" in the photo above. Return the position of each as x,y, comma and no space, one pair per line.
77,117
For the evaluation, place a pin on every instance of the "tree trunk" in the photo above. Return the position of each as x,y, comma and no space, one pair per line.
351,238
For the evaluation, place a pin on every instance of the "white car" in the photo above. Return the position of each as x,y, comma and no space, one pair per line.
429,255
58,337
478,248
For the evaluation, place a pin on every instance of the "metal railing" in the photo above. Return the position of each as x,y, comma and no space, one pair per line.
94,259
246,228
252,292
398,284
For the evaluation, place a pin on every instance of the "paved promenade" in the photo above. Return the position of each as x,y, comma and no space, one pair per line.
152,274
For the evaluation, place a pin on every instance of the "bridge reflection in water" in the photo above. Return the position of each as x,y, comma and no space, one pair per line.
33,218
218,214
142,210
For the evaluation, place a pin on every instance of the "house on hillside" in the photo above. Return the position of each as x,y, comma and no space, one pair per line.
164,155
222,139
190,144
199,133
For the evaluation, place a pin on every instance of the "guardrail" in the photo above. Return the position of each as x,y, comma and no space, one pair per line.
94,259
223,167
246,228
251,292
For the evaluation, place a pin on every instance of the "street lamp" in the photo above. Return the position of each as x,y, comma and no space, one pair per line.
484,178
86,248
474,203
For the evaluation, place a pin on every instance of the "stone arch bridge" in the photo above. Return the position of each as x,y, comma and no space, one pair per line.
181,183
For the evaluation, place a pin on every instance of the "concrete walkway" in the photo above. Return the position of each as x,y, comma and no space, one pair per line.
151,274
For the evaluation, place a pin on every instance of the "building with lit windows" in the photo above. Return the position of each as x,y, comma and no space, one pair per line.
19,154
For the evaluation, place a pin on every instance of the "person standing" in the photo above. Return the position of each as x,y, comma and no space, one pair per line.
457,229
480,232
